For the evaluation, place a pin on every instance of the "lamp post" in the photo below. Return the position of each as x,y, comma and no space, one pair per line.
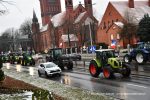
91,36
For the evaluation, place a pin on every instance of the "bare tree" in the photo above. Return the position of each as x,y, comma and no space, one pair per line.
26,27
3,6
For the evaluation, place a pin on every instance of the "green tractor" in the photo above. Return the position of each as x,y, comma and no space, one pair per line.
5,58
26,59
14,57
107,63
56,55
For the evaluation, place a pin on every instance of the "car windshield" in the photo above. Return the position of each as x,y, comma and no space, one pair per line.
50,65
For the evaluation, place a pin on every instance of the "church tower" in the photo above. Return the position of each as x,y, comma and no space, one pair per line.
35,32
48,9
35,24
88,6
69,5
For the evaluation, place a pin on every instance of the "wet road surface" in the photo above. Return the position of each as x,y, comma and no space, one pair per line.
134,88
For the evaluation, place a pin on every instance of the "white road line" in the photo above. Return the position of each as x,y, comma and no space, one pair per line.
137,85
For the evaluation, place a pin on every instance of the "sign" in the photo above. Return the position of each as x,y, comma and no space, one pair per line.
113,44
92,48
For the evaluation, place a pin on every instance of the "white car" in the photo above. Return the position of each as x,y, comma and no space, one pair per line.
48,69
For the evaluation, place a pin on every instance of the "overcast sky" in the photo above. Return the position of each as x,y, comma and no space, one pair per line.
23,9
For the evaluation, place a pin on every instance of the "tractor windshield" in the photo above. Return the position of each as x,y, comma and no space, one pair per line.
57,53
109,54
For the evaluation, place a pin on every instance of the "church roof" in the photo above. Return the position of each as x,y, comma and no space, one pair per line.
120,24
137,13
79,17
58,19
73,37
44,28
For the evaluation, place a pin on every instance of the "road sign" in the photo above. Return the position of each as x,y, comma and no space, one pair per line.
92,48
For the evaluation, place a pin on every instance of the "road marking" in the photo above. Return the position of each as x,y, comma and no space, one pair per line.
137,85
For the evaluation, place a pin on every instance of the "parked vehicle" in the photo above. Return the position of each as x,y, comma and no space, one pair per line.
107,63
48,69
56,56
26,59
141,54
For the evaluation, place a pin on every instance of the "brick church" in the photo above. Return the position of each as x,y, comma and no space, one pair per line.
115,17
74,27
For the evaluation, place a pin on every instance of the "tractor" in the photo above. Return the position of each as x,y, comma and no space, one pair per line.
107,63
56,56
141,53
26,59
14,57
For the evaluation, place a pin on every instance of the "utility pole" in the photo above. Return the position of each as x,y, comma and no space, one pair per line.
69,31
90,35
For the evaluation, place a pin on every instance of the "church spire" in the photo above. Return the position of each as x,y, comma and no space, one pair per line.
34,19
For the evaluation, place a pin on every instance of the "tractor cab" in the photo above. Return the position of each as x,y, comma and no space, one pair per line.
56,55
107,63
104,55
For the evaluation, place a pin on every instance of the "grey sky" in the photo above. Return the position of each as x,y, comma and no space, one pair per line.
23,9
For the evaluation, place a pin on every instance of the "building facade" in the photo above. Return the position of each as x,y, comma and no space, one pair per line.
115,17
67,29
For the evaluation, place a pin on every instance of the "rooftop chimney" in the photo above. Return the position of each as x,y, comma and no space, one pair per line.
131,3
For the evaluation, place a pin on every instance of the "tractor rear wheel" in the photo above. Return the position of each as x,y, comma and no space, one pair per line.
93,68
70,65
108,72
127,72
140,58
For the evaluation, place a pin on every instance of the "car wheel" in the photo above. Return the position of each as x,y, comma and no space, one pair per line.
46,74
59,74
93,68
60,64
127,58
140,58
108,72
39,73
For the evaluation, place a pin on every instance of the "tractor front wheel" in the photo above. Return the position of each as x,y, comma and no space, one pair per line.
93,68
108,72
127,58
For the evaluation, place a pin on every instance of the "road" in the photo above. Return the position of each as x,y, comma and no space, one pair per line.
137,87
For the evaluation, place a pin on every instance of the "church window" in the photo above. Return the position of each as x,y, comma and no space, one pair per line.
109,13
104,25
70,2
66,2
80,10
89,1
112,21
